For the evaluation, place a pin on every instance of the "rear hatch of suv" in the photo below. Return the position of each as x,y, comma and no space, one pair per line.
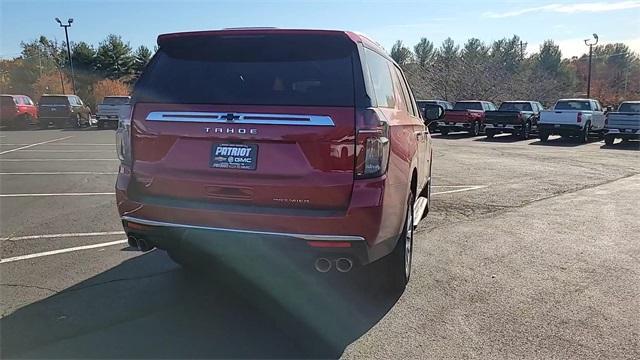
8,108
246,121
54,107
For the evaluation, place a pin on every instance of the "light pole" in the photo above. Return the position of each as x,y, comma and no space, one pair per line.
66,34
590,43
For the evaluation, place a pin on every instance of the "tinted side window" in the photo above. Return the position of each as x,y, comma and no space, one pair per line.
402,90
409,95
380,79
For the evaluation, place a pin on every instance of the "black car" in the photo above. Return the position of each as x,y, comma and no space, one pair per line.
63,111
424,105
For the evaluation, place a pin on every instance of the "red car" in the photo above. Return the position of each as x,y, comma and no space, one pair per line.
17,111
303,140
466,116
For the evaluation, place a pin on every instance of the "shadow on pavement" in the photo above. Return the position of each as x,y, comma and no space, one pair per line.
628,145
454,136
564,142
506,138
146,307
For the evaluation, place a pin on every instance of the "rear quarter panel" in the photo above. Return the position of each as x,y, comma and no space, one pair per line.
403,159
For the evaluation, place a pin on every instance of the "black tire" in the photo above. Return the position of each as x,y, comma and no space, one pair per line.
100,124
399,261
444,131
475,130
76,121
526,131
544,136
584,136
608,140
490,134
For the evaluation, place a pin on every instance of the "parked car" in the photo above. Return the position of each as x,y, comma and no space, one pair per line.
429,104
572,117
63,111
112,110
467,116
513,117
293,143
623,124
17,111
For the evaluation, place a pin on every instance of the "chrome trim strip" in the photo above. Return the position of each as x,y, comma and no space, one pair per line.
308,237
240,118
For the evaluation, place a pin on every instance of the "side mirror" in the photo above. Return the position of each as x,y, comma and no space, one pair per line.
433,113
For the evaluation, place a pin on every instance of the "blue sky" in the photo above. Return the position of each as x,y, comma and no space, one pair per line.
140,21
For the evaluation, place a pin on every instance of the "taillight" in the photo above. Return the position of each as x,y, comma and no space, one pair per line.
579,117
372,144
123,139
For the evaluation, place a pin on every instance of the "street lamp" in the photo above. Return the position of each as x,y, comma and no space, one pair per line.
66,34
590,43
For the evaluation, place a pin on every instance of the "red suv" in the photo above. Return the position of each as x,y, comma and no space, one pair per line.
309,140
17,111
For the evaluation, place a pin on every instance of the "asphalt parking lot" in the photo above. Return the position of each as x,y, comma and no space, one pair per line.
530,251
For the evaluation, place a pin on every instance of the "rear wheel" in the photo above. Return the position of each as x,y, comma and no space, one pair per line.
544,136
100,124
475,130
584,136
399,261
444,131
490,134
526,131
608,140
77,121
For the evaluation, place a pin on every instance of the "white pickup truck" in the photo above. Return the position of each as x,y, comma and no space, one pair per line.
572,117
623,124
112,110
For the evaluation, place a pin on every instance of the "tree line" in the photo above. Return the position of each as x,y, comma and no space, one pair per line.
502,70
498,71
43,67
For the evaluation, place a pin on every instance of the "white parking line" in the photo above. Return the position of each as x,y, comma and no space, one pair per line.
73,144
21,160
57,194
61,251
456,186
62,173
53,236
66,151
32,145
460,190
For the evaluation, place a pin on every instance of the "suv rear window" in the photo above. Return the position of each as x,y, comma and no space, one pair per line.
515,106
54,100
572,105
467,106
304,70
7,101
115,100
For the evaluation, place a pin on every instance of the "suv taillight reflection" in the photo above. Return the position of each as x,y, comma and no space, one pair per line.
372,145
123,139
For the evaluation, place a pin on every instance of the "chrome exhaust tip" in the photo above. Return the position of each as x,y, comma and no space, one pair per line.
140,243
133,242
344,265
322,265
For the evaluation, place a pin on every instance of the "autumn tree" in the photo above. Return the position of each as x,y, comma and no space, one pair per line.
109,87
54,82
